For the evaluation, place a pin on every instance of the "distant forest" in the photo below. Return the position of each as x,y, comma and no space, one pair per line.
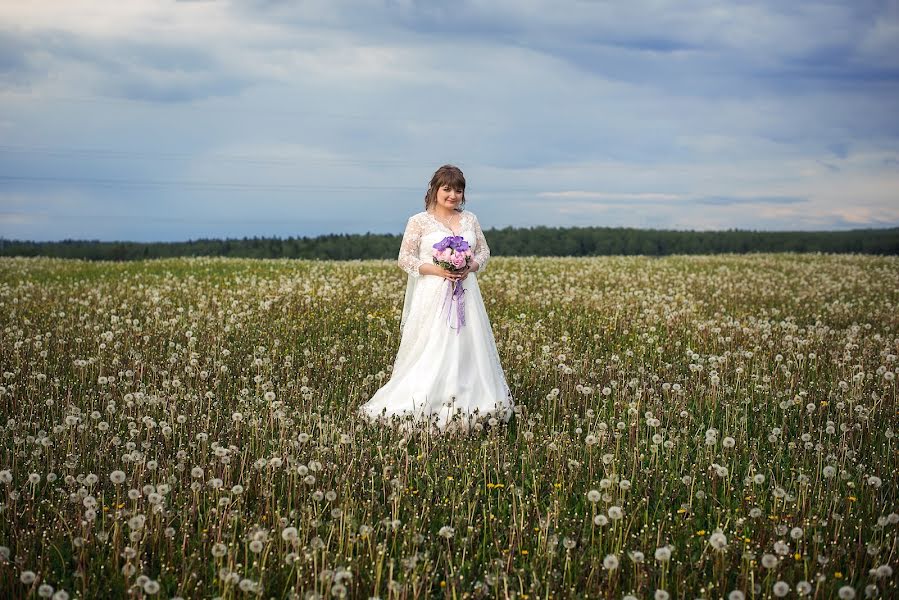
537,241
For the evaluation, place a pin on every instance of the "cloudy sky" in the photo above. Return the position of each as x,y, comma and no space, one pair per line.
162,120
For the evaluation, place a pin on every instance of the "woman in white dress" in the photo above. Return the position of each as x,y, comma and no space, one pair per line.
447,372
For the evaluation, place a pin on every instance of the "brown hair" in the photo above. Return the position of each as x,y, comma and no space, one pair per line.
449,175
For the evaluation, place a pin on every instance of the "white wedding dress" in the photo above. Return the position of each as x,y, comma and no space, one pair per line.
440,373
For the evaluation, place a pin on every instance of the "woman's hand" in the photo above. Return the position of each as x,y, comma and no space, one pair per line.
432,269
471,268
464,273
454,275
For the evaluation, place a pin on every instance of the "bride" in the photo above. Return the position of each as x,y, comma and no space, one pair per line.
447,371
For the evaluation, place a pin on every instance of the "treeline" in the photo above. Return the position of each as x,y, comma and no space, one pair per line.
537,241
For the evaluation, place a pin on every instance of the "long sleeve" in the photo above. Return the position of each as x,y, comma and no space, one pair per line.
408,259
482,250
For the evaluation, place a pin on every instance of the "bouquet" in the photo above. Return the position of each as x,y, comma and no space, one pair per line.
454,254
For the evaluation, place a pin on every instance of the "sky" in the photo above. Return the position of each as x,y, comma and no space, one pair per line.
163,120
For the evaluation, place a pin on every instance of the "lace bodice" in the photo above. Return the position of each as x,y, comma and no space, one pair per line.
423,230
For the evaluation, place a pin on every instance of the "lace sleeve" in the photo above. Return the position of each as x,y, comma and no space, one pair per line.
482,250
408,258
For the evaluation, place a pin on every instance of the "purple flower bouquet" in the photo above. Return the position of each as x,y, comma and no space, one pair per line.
454,254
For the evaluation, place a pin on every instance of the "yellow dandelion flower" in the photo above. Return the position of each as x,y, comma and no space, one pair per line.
700,532
838,575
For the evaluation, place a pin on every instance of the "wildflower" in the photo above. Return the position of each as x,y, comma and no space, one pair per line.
718,541
769,561
151,587
593,496
781,589
803,588
663,554
846,592
736,595
290,534
610,562
446,532
615,513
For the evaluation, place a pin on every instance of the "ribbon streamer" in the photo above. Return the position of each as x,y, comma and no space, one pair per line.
455,294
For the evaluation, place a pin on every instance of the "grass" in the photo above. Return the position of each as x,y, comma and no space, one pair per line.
165,424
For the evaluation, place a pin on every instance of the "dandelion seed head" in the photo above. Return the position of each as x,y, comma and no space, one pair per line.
846,592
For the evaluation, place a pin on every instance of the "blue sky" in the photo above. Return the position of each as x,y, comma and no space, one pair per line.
161,120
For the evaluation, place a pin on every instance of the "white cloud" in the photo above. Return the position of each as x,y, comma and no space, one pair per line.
713,112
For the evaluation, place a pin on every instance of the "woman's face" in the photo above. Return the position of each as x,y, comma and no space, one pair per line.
449,197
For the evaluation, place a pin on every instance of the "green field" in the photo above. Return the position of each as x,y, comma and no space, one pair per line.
687,427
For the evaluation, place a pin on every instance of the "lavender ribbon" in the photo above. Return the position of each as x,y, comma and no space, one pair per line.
455,294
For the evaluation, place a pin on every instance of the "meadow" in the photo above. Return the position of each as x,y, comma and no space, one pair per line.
686,427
